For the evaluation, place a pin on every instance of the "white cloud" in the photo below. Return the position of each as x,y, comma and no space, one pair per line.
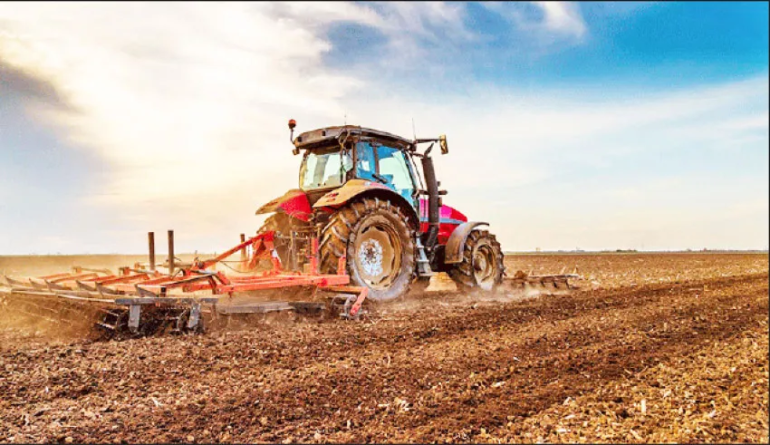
170,92
563,17
543,25
187,103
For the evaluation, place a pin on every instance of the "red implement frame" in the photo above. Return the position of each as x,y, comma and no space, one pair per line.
197,277
131,283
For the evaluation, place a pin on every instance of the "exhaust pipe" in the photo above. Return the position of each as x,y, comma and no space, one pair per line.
433,211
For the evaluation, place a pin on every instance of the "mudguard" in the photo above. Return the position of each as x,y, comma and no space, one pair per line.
453,252
293,203
358,187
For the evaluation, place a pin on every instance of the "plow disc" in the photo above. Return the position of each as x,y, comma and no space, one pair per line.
139,302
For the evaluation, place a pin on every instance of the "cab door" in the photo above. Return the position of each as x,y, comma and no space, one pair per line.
375,160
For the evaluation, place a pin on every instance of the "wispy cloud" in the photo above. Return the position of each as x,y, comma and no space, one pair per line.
187,104
169,92
563,17
543,24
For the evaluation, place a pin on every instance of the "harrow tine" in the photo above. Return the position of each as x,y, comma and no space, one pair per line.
53,286
106,291
38,285
15,283
82,285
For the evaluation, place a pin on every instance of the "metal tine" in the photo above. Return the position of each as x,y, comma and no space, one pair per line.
145,292
38,285
82,285
55,286
15,283
106,291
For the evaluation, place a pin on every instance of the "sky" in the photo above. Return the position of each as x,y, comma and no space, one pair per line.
628,125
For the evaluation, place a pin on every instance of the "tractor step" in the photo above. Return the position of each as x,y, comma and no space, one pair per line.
423,264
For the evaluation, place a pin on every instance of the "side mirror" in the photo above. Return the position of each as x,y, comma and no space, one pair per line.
442,143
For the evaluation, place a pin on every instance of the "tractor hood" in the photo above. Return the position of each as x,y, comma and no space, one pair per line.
294,203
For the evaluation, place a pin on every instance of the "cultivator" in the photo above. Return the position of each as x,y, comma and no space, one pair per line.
138,301
141,301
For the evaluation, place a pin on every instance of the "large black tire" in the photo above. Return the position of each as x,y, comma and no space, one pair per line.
378,244
482,267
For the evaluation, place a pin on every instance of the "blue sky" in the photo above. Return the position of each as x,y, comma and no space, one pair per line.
571,125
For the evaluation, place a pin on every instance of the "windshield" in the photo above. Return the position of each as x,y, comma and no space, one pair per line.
322,170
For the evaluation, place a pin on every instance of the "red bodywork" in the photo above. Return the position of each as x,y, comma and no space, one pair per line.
293,203
449,219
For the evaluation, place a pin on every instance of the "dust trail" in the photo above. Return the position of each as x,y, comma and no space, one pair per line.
441,294
24,323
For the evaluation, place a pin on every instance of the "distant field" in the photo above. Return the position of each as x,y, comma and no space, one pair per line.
34,265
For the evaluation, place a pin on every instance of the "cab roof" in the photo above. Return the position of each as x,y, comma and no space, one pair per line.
323,136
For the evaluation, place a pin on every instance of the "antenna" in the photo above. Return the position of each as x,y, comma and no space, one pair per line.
414,132
346,118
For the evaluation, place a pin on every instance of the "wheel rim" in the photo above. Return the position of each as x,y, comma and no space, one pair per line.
484,267
378,255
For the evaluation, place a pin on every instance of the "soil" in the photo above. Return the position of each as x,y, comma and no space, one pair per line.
651,348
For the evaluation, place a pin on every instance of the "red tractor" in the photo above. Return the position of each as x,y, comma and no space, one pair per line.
366,221
365,196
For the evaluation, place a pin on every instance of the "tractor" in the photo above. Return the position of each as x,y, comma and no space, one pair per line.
372,199
366,222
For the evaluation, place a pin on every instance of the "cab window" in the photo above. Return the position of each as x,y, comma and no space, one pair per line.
365,161
393,167
387,162
322,170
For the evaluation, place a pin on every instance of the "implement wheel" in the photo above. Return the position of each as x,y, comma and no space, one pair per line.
378,244
482,266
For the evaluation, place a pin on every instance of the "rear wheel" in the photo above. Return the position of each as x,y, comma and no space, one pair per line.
378,244
482,266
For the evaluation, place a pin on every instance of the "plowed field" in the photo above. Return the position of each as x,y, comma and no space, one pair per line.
652,348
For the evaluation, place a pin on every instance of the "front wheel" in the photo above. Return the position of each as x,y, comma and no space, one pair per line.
482,265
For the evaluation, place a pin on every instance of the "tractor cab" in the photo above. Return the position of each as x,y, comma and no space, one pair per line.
328,167
335,155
